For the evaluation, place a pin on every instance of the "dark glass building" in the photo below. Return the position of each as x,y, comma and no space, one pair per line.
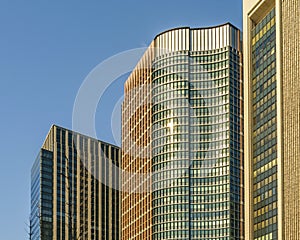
73,188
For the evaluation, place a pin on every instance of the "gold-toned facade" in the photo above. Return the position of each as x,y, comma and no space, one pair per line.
74,188
136,152
291,117
272,110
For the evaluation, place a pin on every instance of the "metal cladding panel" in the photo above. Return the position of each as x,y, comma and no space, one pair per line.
203,39
214,38
172,41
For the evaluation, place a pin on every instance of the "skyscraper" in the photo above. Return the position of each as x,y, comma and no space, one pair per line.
72,188
182,138
272,117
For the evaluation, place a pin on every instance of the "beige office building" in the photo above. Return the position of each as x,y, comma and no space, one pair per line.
272,119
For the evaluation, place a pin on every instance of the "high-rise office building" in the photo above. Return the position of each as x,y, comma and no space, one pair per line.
182,126
72,193
272,118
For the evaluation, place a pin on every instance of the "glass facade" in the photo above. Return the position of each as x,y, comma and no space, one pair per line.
264,133
216,142
42,196
196,141
35,230
170,147
68,200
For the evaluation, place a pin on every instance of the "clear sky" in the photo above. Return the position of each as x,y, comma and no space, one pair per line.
47,48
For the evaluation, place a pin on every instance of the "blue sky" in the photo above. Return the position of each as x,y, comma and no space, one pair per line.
47,48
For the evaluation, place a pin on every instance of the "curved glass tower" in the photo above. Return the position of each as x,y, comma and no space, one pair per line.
195,134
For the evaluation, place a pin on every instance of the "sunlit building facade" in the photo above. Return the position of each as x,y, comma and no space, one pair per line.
73,188
182,126
272,111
